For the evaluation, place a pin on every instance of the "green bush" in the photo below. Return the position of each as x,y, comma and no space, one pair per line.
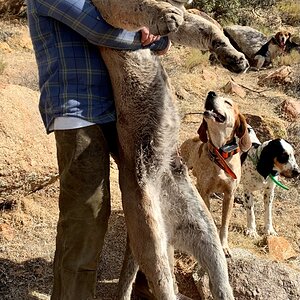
258,3
221,10
228,11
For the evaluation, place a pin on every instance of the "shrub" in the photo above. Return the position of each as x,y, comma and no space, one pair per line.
288,59
228,11
11,7
290,10
222,10
258,3
195,58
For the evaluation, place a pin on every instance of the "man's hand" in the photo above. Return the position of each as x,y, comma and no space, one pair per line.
148,38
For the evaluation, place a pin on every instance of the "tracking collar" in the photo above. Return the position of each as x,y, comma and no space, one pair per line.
219,155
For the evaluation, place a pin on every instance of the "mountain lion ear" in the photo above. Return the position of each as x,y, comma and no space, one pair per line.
242,133
202,132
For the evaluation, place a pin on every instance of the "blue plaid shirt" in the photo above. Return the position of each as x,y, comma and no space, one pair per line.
73,78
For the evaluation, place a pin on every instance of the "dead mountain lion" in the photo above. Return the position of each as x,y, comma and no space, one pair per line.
162,208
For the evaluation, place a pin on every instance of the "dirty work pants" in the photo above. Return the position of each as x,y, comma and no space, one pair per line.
84,208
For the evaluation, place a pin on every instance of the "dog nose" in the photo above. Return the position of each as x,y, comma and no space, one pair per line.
210,99
211,95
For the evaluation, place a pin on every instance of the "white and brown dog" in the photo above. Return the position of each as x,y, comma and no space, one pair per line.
271,158
212,155
270,50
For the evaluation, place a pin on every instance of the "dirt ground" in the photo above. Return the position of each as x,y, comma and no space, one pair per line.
28,224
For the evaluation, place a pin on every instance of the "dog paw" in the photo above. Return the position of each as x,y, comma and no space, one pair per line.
271,231
167,19
252,233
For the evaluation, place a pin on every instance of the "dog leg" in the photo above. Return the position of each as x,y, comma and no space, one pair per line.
259,61
251,226
226,215
205,193
268,201
128,274
146,230
206,200
160,17
193,230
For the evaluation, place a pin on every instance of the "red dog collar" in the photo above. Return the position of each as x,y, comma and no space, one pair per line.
219,156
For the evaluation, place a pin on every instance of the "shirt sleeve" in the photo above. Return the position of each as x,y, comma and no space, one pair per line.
83,17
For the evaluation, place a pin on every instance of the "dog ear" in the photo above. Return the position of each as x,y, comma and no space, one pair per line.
202,132
265,162
242,133
277,35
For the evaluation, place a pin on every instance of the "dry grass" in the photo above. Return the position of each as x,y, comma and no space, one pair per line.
196,58
290,10
2,65
288,59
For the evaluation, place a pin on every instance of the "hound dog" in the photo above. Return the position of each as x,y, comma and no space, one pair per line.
162,208
270,50
271,158
213,155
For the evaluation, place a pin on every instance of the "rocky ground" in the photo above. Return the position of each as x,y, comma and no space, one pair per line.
29,183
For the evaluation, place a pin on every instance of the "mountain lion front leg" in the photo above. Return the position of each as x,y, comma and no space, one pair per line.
160,17
197,32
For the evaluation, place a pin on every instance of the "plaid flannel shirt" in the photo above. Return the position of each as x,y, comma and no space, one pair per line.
73,78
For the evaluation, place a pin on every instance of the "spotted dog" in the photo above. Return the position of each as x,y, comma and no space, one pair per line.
264,160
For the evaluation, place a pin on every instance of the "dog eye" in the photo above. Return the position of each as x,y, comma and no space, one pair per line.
283,158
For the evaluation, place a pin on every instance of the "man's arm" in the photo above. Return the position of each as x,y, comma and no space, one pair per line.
83,17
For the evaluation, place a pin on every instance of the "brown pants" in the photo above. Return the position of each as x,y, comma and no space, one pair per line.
84,204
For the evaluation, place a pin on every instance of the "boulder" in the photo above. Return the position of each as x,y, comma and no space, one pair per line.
280,248
279,77
254,277
290,108
260,126
233,88
245,39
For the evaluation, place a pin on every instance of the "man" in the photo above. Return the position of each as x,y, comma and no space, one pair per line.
76,102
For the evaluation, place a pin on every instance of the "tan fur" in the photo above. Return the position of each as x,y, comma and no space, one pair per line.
161,206
205,16
184,28
210,177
